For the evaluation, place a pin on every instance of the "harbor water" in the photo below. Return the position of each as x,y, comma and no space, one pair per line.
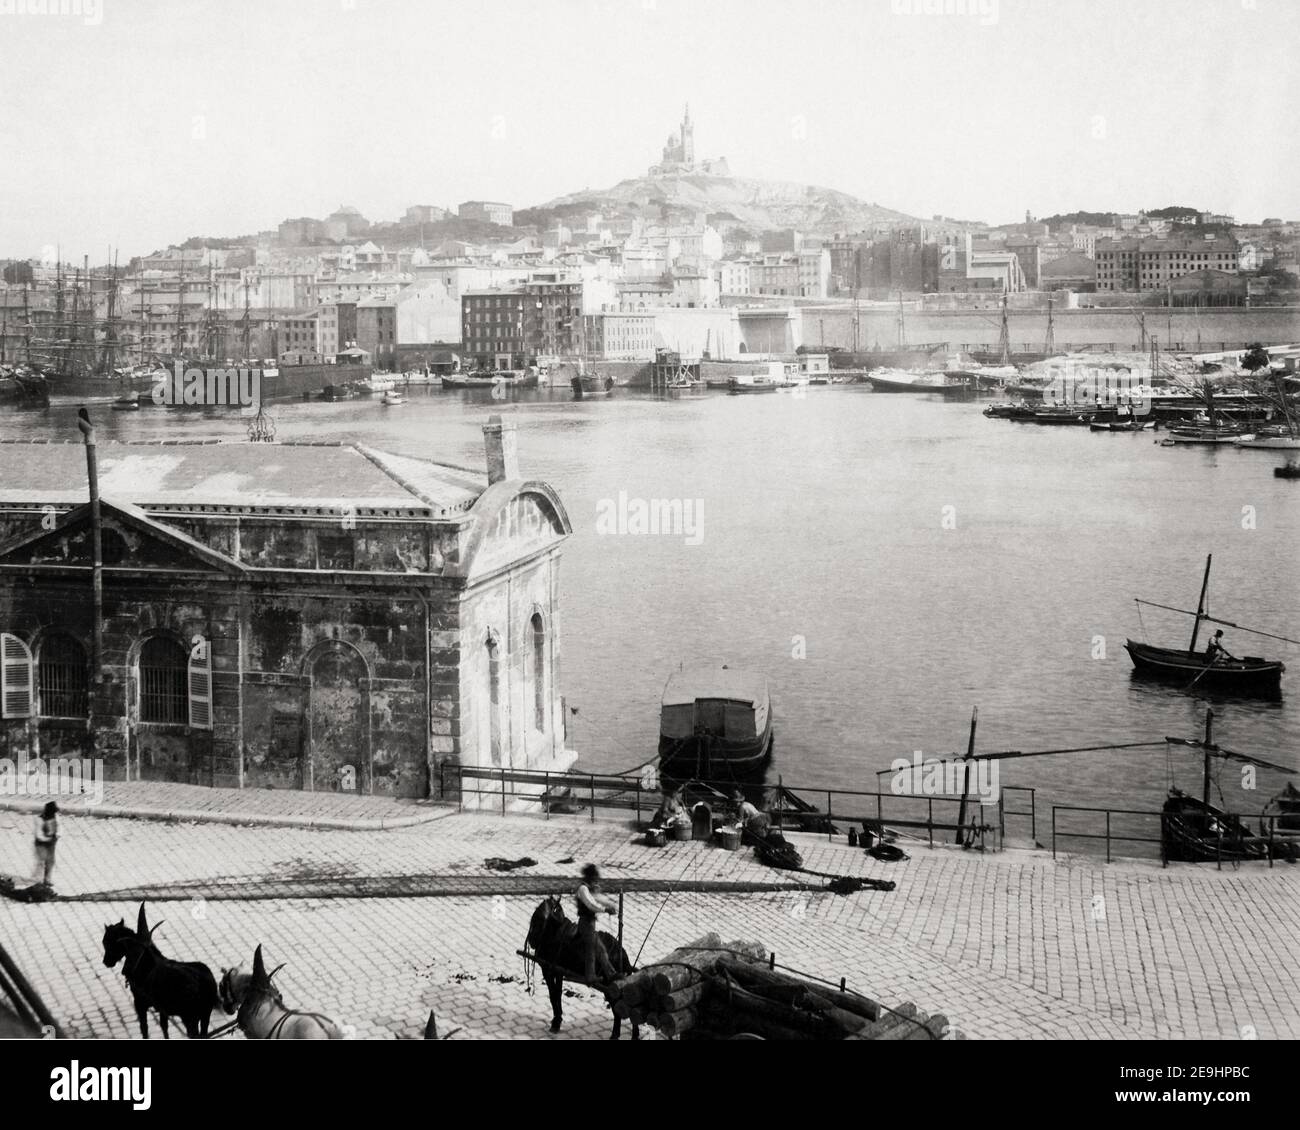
889,562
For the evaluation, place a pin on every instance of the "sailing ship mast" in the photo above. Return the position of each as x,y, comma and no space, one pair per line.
1004,336
901,337
109,357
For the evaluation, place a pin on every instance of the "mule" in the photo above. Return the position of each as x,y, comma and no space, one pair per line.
184,989
260,1010
555,941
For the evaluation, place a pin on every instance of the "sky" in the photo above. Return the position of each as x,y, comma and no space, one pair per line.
139,123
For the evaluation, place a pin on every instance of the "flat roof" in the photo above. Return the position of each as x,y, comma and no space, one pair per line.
238,477
728,683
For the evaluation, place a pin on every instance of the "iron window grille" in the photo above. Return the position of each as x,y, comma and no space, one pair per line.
164,695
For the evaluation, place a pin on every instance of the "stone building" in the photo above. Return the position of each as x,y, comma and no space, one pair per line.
316,616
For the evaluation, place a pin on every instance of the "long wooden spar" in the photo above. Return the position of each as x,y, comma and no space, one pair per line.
1216,620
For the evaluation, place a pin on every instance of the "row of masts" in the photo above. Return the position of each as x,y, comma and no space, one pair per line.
64,350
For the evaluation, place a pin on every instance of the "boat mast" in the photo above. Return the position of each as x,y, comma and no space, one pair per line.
1004,335
900,320
1210,747
969,763
1200,604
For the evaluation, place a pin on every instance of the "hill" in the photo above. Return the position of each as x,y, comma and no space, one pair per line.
756,205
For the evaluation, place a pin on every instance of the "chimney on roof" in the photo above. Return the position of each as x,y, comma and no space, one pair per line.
502,447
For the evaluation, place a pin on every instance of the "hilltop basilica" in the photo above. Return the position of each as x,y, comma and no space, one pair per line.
679,155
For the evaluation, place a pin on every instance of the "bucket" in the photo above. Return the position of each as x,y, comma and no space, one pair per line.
680,831
729,838
655,837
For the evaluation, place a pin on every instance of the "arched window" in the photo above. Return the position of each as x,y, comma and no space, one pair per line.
63,678
539,670
163,676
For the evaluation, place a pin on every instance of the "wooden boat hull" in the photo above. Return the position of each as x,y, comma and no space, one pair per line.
738,389
1248,675
1290,471
1194,832
713,758
460,380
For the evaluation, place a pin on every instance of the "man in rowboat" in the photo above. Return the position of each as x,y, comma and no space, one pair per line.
1214,650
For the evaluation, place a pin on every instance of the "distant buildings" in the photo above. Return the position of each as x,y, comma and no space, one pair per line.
1151,264
488,212
424,214
510,327
619,336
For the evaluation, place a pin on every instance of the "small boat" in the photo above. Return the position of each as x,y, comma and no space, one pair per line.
588,385
1134,425
1063,415
1010,412
1206,437
1287,471
759,383
377,384
1248,675
1195,831
338,392
506,378
1192,830
684,387
392,397
1285,809
713,722
1271,439
129,403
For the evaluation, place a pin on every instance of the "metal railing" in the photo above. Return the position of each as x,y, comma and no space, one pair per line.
1279,843
790,807
1004,811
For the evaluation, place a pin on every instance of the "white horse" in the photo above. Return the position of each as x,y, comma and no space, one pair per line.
261,1012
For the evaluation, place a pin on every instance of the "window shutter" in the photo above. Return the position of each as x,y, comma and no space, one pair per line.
17,689
200,683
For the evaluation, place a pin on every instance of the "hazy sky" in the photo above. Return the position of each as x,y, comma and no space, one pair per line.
141,122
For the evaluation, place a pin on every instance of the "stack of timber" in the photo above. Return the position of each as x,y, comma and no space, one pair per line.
711,990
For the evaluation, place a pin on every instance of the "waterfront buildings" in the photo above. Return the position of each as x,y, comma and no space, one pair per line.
1150,264
354,621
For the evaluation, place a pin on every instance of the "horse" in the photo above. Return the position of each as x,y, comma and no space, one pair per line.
556,946
260,1009
185,989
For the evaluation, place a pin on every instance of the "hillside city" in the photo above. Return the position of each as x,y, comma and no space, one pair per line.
609,276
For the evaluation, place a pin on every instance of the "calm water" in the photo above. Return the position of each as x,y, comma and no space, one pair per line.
826,564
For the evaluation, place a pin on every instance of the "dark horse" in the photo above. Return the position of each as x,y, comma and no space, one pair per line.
185,989
554,939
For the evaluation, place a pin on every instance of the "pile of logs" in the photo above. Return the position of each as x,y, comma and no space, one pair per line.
712,990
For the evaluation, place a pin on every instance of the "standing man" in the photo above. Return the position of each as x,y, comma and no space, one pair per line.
590,904
47,835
